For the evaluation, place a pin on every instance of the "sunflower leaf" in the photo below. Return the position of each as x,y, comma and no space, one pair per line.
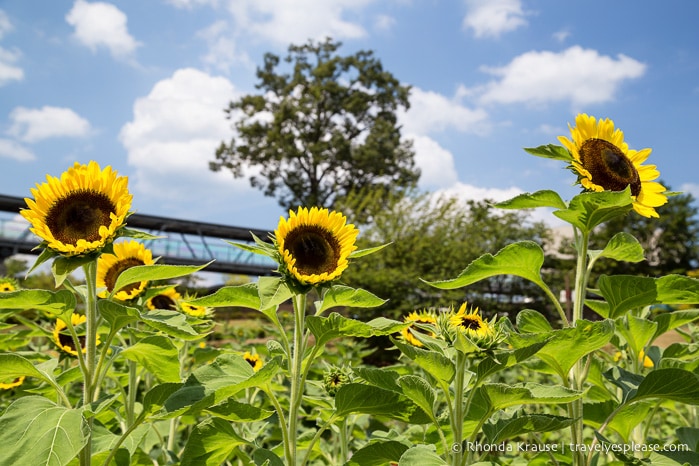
544,198
551,151
245,295
623,247
158,355
63,266
335,326
670,384
54,303
35,430
589,209
124,232
173,323
116,314
523,259
345,296
273,291
210,443
367,251
144,273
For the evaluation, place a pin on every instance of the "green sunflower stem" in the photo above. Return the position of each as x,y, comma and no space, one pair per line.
578,373
457,418
295,373
89,376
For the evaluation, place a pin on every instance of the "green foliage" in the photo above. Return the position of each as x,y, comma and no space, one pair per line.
333,128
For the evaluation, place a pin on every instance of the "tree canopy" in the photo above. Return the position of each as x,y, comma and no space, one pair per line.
326,129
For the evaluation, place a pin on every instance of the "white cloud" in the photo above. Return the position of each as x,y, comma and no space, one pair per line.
432,112
101,24
691,188
296,22
8,71
493,17
384,22
32,125
582,76
13,150
436,164
5,24
173,136
222,49
470,192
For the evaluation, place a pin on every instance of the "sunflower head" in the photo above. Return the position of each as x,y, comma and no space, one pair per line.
335,377
193,310
8,284
62,337
471,324
8,384
254,360
124,255
81,211
418,321
604,162
168,299
314,245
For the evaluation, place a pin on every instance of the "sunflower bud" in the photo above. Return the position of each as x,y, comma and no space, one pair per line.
336,377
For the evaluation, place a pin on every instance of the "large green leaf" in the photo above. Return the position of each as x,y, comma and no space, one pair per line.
531,321
626,292
378,454
566,346
36,431
210,443
245,295
232,410
54,303
367,399
589,209
544,198
420,392
345,296
158,355
671,320
636,331
494,363
523,424
272,291
677,289
336,325
551,151
622,247
13,366
117,314
436,364
669,384
173,323
212,384
523,259
421,455
143,273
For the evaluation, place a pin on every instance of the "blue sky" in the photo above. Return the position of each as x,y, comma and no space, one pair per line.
142,86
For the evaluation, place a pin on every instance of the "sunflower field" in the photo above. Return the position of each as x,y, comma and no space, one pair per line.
124,370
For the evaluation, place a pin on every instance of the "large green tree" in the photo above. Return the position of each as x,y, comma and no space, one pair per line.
325,129
435,239
670,242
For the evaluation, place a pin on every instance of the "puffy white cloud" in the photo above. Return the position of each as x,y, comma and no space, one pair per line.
173,136
432,112
691,188
32,125
493,17
5,24
13,150
296,22
8,71
470,192
223,51
581,76
436,164
100,24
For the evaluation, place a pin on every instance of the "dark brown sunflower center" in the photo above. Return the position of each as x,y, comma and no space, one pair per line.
79,216
164,302
67,341
251,361
471,323
315,249
115,270
609,167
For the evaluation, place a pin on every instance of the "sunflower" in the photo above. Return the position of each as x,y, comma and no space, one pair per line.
315,244
80,212
168,299
254,360
8,284
64,340
472,324
604,162
126,254
423,317
193,310
12,384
